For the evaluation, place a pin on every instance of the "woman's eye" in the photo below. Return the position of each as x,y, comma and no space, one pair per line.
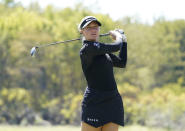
95,27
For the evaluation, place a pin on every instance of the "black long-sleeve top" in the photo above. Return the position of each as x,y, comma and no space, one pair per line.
98,61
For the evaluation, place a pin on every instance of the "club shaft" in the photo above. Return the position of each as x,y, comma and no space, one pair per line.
59,42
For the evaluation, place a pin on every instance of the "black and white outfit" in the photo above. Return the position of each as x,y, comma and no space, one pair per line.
102,102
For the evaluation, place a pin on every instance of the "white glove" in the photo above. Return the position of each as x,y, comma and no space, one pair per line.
124,38
118,35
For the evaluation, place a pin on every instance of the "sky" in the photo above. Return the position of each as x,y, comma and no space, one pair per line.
145,11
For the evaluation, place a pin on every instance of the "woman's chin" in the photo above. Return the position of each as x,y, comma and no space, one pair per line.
94,39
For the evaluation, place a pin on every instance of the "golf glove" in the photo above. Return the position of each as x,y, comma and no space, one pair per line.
119,34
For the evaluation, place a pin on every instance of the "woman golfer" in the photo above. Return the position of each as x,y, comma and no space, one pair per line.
102,106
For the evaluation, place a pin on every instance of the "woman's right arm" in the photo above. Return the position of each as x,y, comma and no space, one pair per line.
94,48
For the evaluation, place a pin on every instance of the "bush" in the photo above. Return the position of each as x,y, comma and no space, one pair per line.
14,105
160,107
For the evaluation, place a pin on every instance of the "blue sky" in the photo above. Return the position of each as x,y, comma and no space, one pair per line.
144,10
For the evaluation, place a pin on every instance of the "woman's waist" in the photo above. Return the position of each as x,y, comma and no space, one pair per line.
98,96
99,92
102,86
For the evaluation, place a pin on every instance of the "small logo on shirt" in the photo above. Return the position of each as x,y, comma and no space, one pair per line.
97,45
92,119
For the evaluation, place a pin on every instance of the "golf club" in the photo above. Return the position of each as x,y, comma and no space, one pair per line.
35,48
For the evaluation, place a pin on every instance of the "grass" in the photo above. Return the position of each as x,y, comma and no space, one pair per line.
70,128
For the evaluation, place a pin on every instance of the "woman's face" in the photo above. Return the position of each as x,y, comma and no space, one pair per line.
91,31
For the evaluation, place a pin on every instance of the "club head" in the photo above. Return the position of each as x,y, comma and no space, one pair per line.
33,51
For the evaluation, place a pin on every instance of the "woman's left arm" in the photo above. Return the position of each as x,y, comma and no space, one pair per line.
121,59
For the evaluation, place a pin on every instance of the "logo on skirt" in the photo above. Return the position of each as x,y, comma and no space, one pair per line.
92,119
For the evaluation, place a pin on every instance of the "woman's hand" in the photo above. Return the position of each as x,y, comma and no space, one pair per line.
112,34
118,35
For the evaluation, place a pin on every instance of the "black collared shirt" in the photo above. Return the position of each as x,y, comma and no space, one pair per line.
98,61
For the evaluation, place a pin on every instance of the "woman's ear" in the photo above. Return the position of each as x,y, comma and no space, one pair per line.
81,31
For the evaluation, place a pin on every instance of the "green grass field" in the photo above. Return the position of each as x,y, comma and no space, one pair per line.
70,128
